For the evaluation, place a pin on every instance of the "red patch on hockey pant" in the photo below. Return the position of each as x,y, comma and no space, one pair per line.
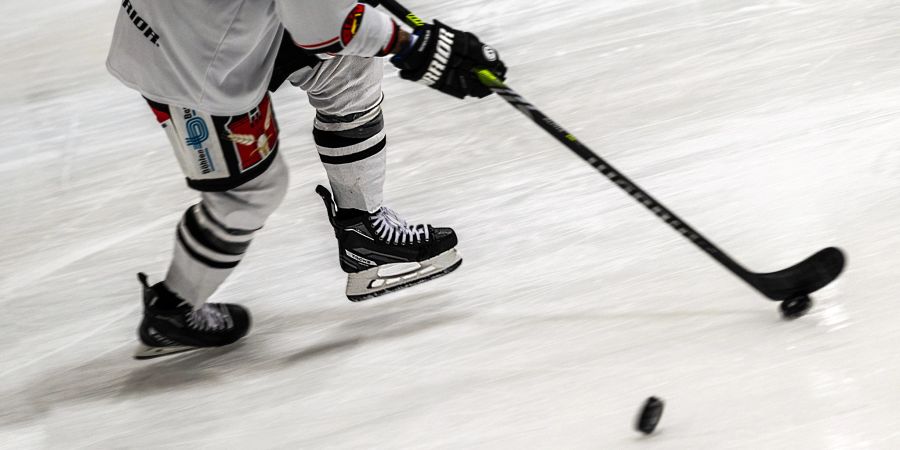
161,116
352,23
255,135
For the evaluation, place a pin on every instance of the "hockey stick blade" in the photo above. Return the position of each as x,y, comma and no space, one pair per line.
803,278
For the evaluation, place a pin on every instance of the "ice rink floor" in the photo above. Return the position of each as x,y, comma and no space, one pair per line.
773,126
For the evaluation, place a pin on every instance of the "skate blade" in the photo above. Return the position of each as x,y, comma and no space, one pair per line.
392,277
148,352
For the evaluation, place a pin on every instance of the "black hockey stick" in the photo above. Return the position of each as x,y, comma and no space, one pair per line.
791,286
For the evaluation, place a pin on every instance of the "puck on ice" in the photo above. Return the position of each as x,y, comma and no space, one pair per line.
650,414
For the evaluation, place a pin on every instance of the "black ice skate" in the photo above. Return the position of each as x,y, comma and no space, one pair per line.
171,325
382,253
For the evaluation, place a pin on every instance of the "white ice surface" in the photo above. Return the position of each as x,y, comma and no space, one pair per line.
773,126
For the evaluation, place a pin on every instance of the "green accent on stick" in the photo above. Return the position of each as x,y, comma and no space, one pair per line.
488,79
414,20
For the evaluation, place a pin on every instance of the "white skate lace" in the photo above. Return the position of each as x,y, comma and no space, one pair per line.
210,317
393,229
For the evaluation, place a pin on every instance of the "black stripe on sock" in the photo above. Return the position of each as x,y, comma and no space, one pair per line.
209,240
346,138
358,156
234,231
330,139
206,261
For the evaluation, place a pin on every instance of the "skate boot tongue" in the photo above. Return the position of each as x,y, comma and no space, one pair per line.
158,296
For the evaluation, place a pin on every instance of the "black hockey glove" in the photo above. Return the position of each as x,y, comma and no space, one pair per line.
443,58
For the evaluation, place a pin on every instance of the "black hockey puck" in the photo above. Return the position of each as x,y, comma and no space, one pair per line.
650,414
795,307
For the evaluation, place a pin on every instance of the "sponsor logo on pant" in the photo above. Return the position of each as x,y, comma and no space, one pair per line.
197,134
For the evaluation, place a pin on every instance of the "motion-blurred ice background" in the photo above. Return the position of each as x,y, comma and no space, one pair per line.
773,126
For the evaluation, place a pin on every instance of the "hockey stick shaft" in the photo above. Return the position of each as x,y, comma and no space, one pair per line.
572,143
613,174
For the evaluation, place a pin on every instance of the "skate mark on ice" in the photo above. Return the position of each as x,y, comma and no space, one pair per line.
75,342
30,273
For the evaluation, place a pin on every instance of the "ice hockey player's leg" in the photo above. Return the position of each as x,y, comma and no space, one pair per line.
214,234
211,240
379,250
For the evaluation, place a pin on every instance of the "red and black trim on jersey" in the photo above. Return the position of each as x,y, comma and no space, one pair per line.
332,45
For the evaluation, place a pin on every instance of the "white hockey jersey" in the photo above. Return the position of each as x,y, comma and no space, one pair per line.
217,56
